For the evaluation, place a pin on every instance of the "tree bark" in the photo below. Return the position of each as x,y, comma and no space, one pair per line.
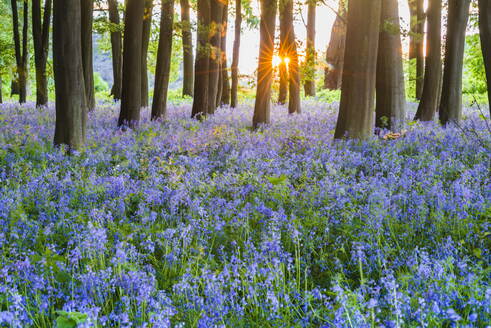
309,85
290,51
87,55
116,49
201,79
214,65
21,51
147,28
416,42
391,99
262,107
451,100
132,51
235,55
187,48
433,70
335,51
1,93
40,36
283,53
71,110
224,99
485,33
162,71
355,118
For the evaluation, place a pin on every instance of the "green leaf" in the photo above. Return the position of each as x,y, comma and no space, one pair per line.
70,319
282,179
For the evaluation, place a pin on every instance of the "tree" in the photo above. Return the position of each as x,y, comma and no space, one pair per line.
335,51
147,28
40,36
21,52
451,101
310,62
71,109
214,58
87,7
355,118
116,49
283,53
187,49
224,94
416,42
391,99
235,54
162,71
433,70
132,51
485,34
262,107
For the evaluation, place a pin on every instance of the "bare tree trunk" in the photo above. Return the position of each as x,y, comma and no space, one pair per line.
1,93
485,32
360,65
290,51
416,42
262,107
335,51
225,88
283,53
187,48
162,71
147,28
71,109
131,88
451,100
235,55
391,99
116,49
87,55
40,35
430,97
214,66
309,85
21,52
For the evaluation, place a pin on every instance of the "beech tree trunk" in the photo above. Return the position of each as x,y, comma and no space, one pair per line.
224,99
214,66
132,51
290,51
433,70
71,109
164,53
187,48
451,100
87,56
202,63
235,55
335,52
309,85
485,33
262,107
19,86
391,99
116,49
40,36
355,118
416,42
147,28
283,53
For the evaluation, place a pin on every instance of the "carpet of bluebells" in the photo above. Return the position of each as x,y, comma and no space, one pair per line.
210,224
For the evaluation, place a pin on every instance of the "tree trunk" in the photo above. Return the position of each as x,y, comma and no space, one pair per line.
433,70
262,107
360,65
147,28
451,100
1,93
71,110
40,35
335,51
416,42
162,71
17,49
116,49
87,56
225,88
201,79
214,66
132,51
235,55
21,52
485,32
391,99
309,85
283,53
187,48
221,53
290,51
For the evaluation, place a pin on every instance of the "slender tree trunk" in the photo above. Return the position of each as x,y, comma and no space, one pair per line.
214,67
162,71
225,89
116,49
235,55
1,93
309,85
17,48
391,99
187,48
132,51
283,53
430,97
485,32
87,55
221,54
147,28
335,51
201,79
262,107
40,35
360,65
420,48
71,109
451,100
19,86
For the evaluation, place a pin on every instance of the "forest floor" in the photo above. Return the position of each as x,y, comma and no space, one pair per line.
189,224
